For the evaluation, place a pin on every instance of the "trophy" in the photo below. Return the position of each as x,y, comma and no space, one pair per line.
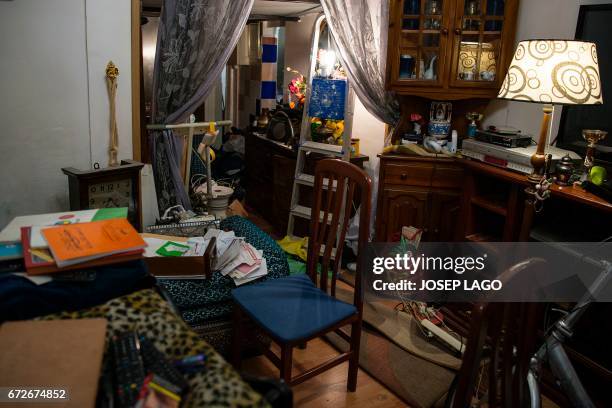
592,137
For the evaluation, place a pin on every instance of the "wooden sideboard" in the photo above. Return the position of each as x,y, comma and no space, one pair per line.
455,199
419,191
270,169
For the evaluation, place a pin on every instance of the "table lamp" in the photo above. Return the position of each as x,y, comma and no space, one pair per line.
551,72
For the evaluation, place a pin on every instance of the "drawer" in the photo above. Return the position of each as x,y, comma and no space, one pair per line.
424,174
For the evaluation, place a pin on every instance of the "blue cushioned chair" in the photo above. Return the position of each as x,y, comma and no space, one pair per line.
296,309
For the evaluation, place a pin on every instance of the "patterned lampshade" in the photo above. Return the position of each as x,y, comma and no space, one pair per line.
553,72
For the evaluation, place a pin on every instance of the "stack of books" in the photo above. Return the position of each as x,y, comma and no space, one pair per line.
82,245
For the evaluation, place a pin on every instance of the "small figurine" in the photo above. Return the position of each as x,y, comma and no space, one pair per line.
417,123
564,171
473,117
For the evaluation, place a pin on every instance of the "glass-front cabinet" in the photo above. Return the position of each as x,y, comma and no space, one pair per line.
450,49
422,41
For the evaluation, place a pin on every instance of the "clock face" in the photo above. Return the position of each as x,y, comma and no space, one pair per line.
116,193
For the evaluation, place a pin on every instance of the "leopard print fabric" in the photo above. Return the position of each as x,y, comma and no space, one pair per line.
146,312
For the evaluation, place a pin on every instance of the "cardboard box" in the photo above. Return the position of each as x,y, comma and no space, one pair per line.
184,267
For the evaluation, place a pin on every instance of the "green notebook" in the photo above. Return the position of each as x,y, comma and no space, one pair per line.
110,213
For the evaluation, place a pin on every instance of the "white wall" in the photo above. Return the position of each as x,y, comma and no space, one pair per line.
54,104
371,134
546,19
109,38
298,43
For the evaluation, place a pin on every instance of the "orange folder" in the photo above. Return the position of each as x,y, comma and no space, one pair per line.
38,266
75,243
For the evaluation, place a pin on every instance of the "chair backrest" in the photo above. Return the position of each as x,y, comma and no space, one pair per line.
337,184
510,331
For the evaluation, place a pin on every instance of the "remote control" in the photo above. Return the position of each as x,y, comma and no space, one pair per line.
129,368
156,362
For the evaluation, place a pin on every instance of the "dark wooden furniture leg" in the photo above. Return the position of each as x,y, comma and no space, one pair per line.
528,214
237,337
286,362
354,360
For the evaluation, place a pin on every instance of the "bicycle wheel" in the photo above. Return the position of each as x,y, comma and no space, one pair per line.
479,397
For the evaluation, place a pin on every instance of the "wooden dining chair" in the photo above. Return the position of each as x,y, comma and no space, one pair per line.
299,308
500,343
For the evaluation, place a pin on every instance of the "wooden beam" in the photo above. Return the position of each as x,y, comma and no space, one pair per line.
136,61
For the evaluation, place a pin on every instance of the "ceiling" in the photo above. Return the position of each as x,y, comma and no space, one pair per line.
284,8
271,8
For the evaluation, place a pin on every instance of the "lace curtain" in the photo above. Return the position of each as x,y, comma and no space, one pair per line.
359,28
194,42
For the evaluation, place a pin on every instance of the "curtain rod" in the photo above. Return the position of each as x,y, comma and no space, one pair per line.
189,125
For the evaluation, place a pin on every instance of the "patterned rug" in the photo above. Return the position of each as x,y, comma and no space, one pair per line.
394,351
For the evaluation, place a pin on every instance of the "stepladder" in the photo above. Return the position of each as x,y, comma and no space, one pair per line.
310,149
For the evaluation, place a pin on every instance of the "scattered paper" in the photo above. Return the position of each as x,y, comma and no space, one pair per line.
153,244
229,254
36,279
171,248
197,248
246,261
224,239
261,271
235,257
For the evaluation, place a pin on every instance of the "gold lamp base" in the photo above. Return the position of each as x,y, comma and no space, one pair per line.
534,190
538,159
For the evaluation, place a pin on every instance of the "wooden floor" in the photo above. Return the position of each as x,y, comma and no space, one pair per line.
327,389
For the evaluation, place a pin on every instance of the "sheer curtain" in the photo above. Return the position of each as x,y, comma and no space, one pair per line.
194,42
359,28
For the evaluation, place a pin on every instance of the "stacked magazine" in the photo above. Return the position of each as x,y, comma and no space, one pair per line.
236,258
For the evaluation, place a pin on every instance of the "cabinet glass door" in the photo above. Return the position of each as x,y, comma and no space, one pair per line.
423,32
478,38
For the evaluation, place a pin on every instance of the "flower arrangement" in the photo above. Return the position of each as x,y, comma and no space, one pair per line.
327,130
297,88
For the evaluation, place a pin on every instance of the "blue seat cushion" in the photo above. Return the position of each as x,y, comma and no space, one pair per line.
291,308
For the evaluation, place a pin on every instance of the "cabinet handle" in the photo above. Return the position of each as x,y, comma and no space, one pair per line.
403,176
444,31
458,31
